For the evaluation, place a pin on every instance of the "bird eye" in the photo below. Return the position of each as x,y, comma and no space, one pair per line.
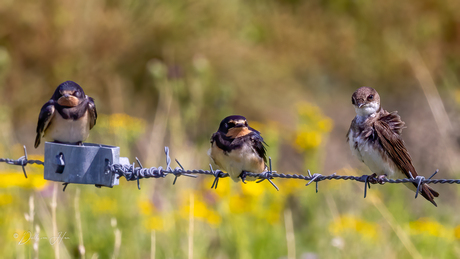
226,125
370,97
77,94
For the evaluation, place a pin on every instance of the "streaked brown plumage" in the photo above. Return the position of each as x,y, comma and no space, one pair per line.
375,138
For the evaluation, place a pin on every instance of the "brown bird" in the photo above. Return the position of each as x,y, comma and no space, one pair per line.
375,139
237,148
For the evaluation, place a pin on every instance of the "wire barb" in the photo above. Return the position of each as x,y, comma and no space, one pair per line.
419,178
137,178
217,174
367,184
132,173
179,171
22,161
177,175
140,165
268,175
314,178
437,170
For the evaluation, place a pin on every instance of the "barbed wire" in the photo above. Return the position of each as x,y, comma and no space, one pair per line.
22,161
133,173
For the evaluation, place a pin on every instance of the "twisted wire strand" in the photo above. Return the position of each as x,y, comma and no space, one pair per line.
135,173
22,161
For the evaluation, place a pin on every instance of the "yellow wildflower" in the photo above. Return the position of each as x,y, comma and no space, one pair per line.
431,227
146,207
325,125
308,139
238,204
17,179
104,205
224,185
290,186
313,126
253,189
346,224
457,232
120,125
201,210
5,199
154,223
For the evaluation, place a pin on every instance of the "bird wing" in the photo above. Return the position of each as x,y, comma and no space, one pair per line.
44,119
394,121
389,128
222,141
228,144
92,112
259,145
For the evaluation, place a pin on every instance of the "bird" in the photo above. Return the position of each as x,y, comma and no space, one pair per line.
67,117
237,148
375,139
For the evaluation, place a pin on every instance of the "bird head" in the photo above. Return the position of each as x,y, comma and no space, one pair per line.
235,126
366,101
68,94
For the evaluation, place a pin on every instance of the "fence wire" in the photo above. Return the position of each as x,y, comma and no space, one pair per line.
135,173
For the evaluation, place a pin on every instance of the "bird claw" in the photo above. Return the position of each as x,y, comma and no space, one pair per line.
381,179
372,178
243,176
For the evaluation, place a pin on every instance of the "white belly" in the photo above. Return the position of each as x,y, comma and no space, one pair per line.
237,161
373,158
67,131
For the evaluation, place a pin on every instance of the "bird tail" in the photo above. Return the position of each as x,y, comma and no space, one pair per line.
429,194
37,140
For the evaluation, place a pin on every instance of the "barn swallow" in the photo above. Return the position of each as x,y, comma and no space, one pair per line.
67,117
375,139
237,148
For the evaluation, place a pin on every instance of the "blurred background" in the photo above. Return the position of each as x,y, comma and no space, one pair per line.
165,73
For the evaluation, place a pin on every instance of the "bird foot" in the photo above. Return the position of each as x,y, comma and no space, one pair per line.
381,179
373,178
243,176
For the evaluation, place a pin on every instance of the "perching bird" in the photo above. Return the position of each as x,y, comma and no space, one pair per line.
67,117
375,139
237,148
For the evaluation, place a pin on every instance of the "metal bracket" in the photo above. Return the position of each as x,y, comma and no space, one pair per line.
86,164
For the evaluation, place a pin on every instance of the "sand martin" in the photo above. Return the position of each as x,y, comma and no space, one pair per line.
375,139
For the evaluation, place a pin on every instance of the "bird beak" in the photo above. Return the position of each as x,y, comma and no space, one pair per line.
239,125
360,105
68,100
